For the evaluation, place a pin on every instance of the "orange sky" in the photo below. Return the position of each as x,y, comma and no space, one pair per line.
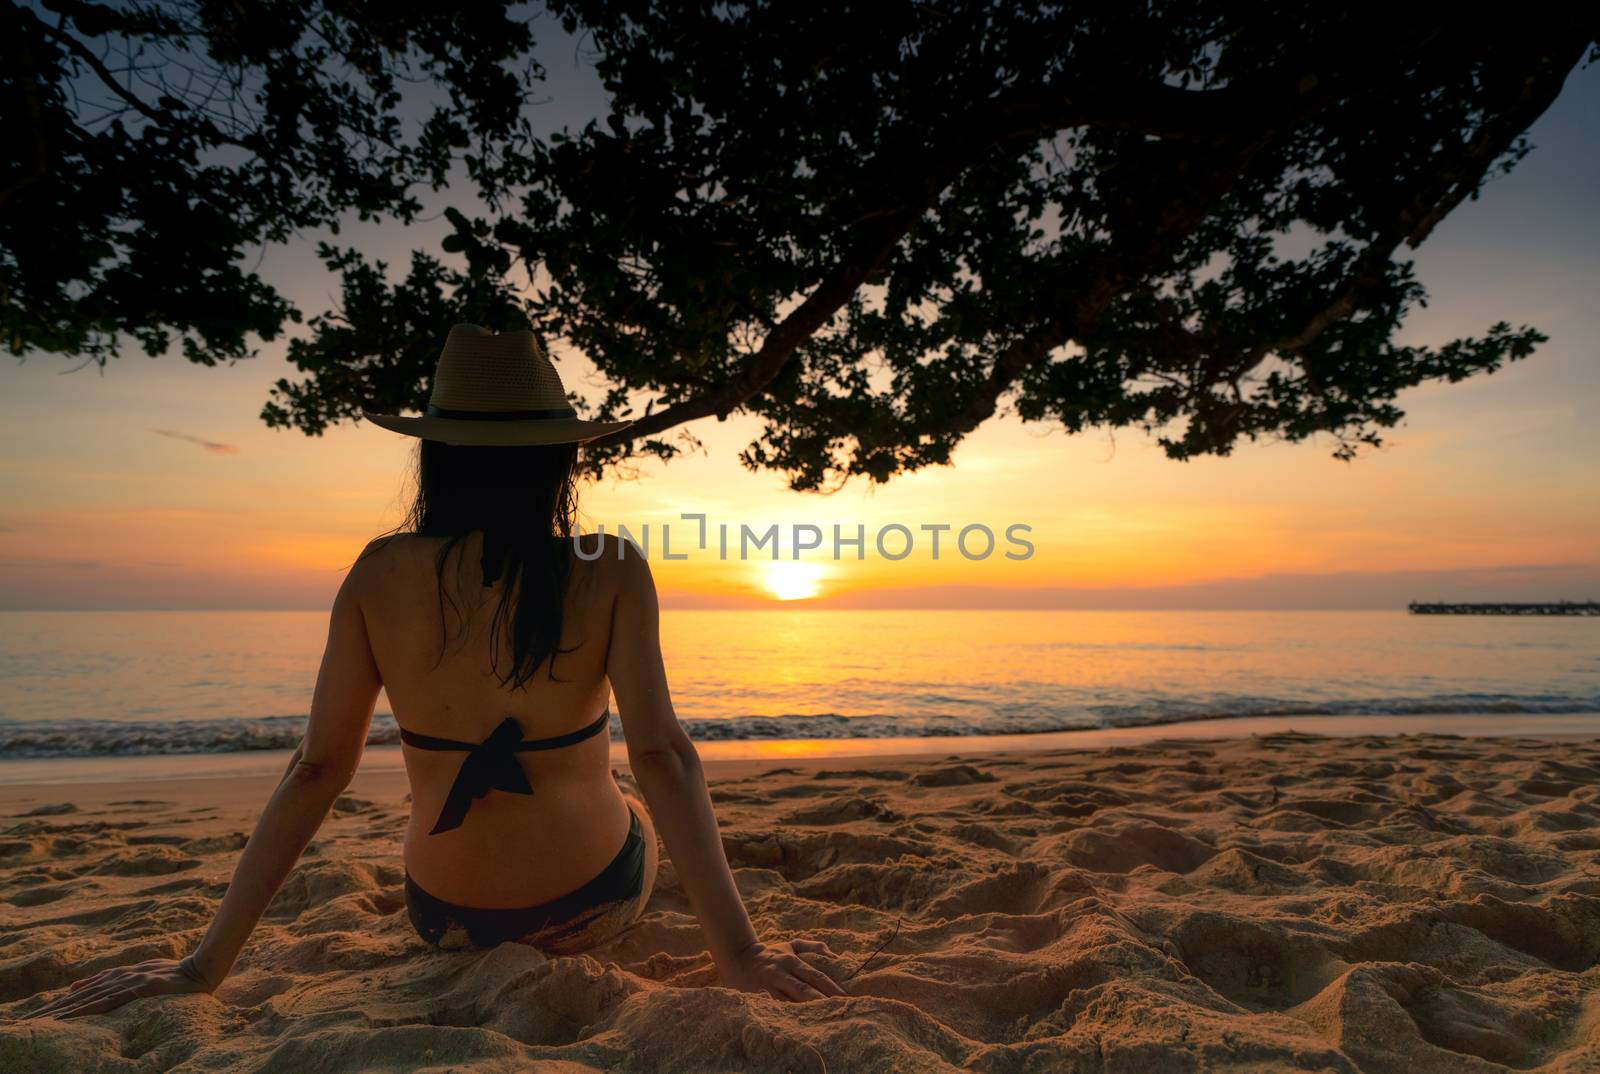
102,512
110,496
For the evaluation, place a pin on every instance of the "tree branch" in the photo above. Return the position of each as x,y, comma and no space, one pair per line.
1418,216
156,116
780,344
1017,118
1235,121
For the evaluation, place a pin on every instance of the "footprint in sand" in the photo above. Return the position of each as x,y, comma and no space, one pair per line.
957,775
53,809
842,811
147,861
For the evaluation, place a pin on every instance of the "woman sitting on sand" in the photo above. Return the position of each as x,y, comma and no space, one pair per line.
518,830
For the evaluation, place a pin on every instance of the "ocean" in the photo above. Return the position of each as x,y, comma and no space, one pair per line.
132,685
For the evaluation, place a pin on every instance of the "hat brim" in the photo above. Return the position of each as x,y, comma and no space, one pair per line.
469,432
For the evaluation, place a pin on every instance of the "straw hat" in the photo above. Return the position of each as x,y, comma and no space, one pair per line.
497,390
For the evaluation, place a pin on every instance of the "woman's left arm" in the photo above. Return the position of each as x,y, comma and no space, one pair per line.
321,768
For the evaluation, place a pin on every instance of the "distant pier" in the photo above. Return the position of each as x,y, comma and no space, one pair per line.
1563,607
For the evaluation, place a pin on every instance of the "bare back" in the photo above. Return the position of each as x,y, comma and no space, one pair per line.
512,849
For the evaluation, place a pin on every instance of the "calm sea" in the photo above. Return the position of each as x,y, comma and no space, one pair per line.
88,684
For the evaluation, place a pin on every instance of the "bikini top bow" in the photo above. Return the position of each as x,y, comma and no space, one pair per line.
492,764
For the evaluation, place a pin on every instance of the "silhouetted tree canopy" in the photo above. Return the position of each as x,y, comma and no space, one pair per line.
149,149
873,226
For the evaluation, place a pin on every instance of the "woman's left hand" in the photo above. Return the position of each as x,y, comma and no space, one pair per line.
110,989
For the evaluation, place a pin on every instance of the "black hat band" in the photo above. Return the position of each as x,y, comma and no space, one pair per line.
502,415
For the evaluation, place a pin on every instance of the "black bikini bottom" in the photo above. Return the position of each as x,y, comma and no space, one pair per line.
619,882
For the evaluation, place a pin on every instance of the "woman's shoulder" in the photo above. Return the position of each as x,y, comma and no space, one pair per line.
388,546
612,557
605,546
378,559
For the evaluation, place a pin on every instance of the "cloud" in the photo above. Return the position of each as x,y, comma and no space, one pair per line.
212,446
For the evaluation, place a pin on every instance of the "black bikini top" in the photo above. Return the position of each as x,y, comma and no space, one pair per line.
492,763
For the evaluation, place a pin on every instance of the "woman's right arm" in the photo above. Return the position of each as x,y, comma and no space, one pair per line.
668,771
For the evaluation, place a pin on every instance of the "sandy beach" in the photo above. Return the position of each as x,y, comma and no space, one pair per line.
1282,902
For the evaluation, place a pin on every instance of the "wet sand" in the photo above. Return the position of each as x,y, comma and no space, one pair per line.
1281,902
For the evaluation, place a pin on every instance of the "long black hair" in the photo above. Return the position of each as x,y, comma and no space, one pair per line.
524,502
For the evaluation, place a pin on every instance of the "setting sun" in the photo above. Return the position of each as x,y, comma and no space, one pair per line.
790,580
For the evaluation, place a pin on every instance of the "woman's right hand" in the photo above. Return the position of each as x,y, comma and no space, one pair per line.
778,969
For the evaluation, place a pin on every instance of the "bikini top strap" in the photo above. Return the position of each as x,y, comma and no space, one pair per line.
429,742
555,742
